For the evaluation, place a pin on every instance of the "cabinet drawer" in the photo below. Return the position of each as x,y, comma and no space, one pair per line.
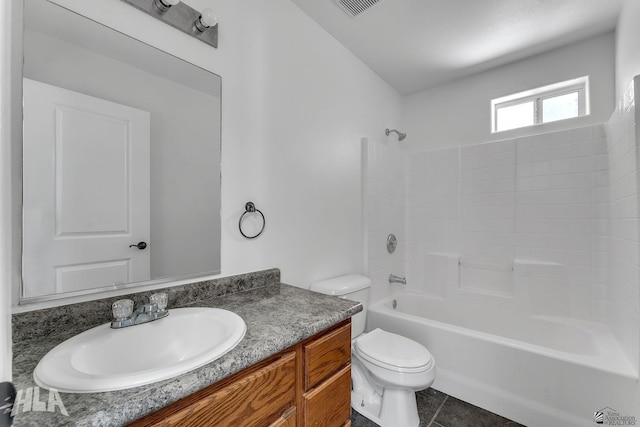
326,355
329,405
253,399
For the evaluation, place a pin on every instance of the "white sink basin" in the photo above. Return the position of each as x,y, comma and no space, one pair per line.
105,359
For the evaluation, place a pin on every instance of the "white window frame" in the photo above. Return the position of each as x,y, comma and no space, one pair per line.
538,95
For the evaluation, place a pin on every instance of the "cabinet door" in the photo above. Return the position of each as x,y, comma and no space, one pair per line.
326,355
251,400
329,404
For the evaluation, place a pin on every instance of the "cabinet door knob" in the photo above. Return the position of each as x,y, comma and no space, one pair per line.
141,245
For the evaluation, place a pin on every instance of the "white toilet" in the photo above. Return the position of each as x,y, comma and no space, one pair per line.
386,369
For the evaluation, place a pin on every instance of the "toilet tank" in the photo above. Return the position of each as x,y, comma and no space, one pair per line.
354,287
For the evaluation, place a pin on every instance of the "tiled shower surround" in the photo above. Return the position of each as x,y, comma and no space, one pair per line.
545,223
522,220
623,307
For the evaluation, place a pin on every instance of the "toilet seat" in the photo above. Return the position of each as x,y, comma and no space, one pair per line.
393,352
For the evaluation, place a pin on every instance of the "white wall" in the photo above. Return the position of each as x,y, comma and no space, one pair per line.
459,113
627,46
316,101
295,105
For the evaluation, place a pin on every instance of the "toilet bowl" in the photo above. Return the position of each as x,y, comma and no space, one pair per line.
386,368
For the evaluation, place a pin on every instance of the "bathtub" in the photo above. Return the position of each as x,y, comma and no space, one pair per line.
536,370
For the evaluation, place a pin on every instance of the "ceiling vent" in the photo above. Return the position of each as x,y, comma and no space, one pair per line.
354,8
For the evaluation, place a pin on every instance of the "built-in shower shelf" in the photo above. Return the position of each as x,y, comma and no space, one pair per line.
524,281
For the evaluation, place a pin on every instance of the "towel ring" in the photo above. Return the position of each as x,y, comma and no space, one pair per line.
250,208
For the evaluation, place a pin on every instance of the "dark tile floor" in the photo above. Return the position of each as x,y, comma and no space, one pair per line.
437,409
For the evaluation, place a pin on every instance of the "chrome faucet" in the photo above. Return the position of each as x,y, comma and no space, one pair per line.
397,279
125,316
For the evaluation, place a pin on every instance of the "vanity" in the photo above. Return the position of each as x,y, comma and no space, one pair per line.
308,384
292,368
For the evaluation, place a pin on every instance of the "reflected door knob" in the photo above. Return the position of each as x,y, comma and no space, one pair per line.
141,245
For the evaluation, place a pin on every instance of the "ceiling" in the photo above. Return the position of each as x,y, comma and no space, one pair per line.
418,44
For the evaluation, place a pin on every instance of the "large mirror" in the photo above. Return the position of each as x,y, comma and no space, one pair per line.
121,160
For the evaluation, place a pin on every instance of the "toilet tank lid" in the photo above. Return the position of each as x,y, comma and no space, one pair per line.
342,285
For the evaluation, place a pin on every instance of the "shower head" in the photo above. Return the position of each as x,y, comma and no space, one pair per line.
401,135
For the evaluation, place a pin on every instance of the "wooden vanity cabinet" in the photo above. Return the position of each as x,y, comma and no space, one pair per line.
308,384
327,379
259,395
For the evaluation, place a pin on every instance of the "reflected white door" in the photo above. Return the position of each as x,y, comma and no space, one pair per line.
85,191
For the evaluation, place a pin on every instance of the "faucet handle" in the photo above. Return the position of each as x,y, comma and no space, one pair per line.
160,299
122,309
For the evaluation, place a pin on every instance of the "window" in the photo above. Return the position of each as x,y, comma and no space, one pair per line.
559,101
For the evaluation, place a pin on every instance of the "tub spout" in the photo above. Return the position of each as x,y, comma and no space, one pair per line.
397,279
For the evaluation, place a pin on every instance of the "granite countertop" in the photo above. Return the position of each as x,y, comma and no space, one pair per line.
277,317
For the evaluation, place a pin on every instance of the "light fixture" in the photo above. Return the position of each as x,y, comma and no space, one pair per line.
203,26
165,5
206,20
